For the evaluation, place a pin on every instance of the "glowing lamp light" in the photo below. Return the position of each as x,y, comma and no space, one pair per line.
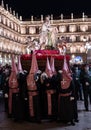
32,30
62,29
72,28
73,38
73,49
84,28
82,49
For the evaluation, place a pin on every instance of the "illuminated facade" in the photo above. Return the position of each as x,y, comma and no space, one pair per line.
16,34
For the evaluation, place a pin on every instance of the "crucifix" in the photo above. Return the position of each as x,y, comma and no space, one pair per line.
63,81
14,80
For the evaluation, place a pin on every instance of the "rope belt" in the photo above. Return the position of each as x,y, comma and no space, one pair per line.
65,94
49,93
62,95
31,109
11,91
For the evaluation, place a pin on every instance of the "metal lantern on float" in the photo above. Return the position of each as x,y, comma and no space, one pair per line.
62,46
72,60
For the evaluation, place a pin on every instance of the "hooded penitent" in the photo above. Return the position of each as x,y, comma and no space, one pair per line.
66,75
52,65
19,65
13,83
31,84
48,70
33,70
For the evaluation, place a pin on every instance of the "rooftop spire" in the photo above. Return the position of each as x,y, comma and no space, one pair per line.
20,18
14,12
41,18
17,15
32,19
2,3
72,16
83,16
10,10
7,7
51,18
61,17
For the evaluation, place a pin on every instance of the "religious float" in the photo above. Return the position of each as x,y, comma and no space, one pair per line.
41,56
48,46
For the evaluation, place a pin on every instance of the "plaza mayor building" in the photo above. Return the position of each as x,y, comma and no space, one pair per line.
18,36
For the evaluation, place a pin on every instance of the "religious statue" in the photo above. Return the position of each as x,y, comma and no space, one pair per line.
61,45
48,34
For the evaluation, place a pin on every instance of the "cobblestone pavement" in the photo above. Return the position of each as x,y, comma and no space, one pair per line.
83,124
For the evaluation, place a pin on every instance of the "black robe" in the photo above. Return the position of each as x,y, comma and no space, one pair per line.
65,104
6,92
50,99
23,97
34,102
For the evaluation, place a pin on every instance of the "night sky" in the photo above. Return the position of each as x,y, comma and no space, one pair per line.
26,8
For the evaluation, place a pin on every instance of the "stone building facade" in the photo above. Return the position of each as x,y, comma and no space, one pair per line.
16,34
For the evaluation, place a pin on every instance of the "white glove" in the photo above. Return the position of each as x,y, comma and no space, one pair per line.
87,83
6,95
71,98
25,99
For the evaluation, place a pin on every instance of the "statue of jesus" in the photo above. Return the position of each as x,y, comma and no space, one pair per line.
48,33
